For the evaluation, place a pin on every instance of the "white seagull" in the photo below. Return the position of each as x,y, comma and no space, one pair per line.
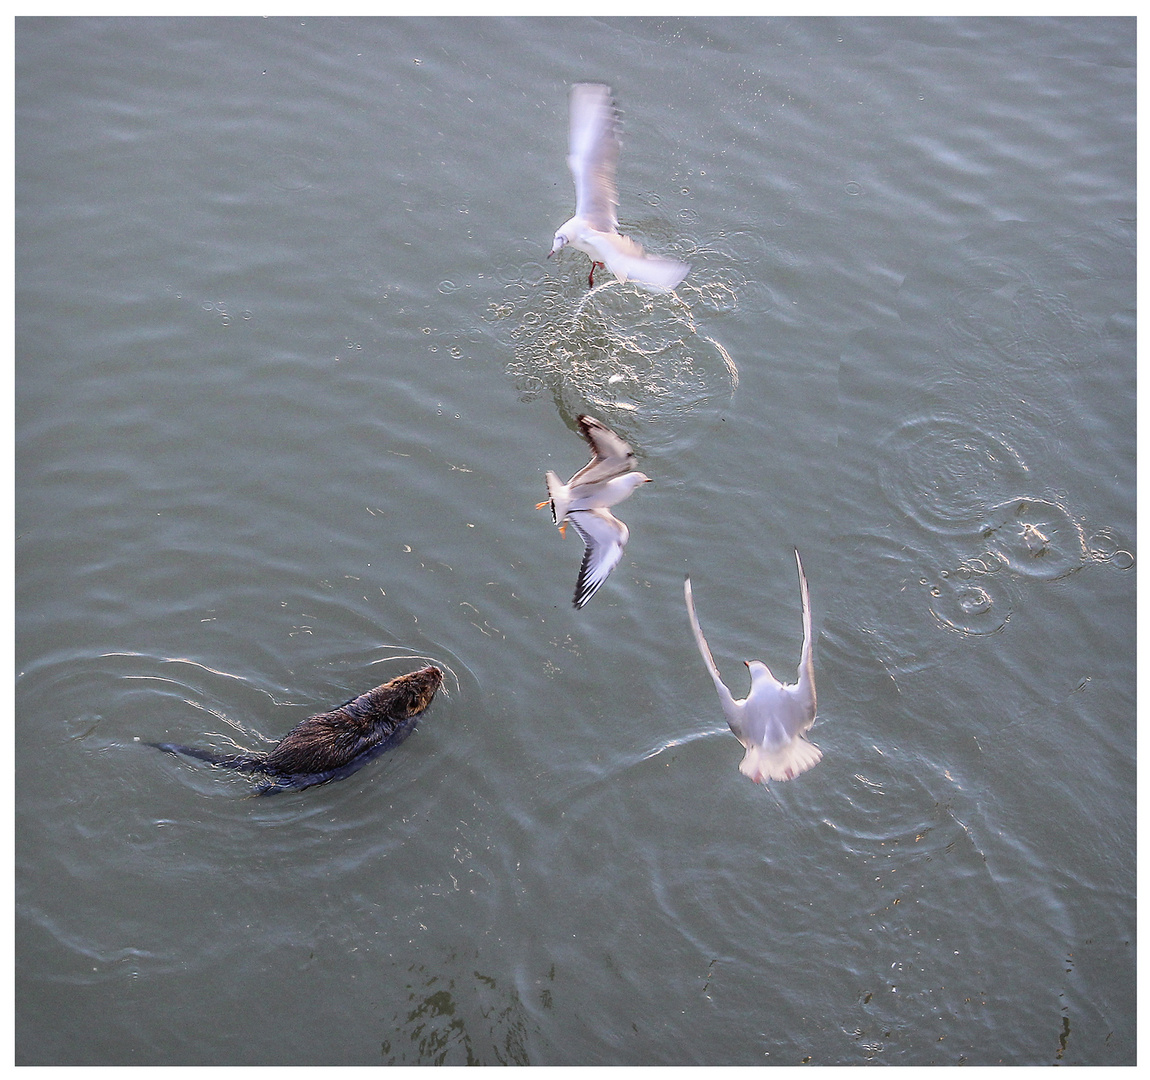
771,719
593,155
605,480
608,478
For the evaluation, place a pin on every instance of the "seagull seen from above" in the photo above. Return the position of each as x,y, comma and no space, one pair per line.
608,478
592,157
771,719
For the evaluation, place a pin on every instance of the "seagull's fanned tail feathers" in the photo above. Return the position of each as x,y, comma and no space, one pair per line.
560,496
782,763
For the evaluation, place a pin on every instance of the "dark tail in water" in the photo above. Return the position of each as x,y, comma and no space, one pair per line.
247,763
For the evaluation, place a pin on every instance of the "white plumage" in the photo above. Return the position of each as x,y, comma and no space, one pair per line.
608,478
771,719
593,156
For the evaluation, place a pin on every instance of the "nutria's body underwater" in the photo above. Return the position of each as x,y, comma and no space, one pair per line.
333,745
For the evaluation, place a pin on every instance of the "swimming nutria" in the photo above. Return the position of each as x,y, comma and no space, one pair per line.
334,744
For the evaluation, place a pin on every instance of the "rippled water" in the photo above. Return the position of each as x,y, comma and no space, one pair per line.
290,364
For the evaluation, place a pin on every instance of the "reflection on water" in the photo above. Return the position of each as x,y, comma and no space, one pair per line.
464,1019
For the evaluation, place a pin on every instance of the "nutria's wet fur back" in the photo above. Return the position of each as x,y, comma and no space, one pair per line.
334,744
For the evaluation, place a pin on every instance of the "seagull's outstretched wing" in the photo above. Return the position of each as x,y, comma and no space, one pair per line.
805,687
605,536
593,155
628,262
610,455
732,709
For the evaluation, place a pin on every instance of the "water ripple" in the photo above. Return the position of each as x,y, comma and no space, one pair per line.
616,350
998,306
970,599
1035,538
942,471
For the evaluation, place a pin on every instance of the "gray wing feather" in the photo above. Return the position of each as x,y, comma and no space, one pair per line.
732,709
611,455
605,536
594,154
805,687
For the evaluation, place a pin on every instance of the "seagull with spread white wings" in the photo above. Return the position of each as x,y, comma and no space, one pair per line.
771,719
605,480
593,155
608,478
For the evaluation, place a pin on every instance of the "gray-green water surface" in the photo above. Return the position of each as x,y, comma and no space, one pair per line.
290,364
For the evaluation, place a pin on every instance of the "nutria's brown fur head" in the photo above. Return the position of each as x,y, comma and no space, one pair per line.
408,695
